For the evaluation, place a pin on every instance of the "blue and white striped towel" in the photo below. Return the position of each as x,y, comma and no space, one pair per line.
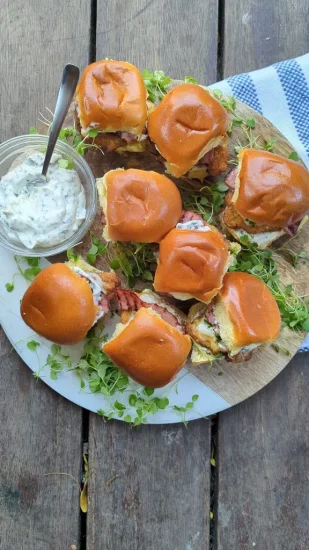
280,93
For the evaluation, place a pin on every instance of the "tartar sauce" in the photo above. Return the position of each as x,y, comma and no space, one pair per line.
196,225
45,215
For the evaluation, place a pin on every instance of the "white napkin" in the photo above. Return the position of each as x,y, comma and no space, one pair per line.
281,94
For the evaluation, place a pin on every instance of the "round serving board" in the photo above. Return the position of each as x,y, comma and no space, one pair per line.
219,386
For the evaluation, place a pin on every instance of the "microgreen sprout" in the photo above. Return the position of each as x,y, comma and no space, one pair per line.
97,373
207,202
97,248
181,411
68,164
279,349
190,80
294,309
71,255
134,260
33,345
156,84
29,272
294,156
97,369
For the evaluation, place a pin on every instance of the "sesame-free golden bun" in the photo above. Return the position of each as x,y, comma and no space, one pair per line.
111,97
271,190
59,305
246,311
148,349
138,205
192,263
186,124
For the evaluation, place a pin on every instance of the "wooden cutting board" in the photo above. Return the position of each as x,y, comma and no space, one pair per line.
233,382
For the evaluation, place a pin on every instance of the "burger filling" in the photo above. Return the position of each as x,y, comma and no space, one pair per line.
111,141
258,234
205,330
211,163
192,221
130,302
99,293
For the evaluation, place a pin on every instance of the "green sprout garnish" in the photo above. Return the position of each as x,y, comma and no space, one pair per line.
294,156
99,375
68,164
156,84
190,80
134,260
97,248
294,309
72,256
33,345
208,202
28,273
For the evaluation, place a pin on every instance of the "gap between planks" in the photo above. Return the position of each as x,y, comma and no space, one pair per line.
85,413
213,482
214,421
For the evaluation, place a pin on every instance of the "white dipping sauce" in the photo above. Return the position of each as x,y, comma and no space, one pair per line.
45,215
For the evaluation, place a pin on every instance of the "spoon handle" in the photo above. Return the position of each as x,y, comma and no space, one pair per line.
66,92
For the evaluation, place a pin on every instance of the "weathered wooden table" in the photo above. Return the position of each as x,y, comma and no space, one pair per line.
167,496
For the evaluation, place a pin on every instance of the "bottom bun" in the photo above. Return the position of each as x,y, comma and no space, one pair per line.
148,349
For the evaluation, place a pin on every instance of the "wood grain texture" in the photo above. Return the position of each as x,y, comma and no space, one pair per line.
37,39
258,33
176,36
41,432
262,444
160,499
263,462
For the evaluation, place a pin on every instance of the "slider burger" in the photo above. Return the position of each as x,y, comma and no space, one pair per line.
66,300
243,316
188,129
137,205
111,98
193,259
149,343
269,197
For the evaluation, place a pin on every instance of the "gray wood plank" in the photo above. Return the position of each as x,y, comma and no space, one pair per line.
258,33
176,36
262,444
41,432
263,466
160,499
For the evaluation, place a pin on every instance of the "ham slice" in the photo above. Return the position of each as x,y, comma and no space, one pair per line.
207,158
130,301
188,216
291,230
128,137
231,178
209,314
104,303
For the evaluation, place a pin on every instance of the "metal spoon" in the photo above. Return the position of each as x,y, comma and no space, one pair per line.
66,92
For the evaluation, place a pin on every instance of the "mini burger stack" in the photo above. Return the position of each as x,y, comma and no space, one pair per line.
187,130
230,314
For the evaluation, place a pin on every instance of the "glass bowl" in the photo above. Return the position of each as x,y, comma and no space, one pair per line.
12,149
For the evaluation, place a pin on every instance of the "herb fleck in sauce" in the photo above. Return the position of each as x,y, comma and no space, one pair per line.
45,215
